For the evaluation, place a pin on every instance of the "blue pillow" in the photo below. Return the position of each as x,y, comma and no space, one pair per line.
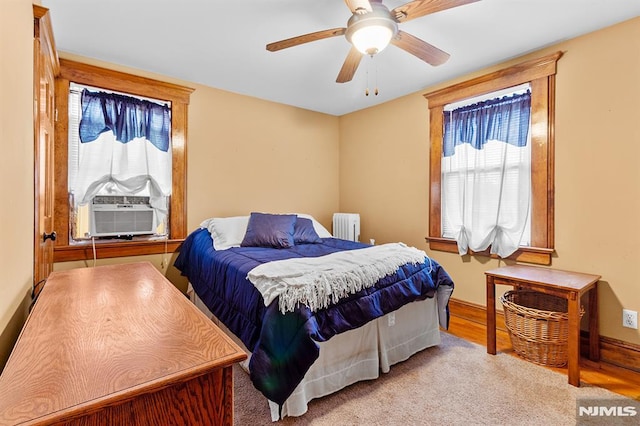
304,232
270,230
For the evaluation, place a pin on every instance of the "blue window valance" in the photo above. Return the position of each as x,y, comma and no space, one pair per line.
127,117
504,119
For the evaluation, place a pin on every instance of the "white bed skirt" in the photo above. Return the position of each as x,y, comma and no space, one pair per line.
355,355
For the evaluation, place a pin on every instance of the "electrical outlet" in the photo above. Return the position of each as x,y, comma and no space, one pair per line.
630,318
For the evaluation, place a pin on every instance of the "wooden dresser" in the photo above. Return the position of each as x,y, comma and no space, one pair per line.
118,345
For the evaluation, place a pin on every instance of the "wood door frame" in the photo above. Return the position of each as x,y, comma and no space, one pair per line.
45,68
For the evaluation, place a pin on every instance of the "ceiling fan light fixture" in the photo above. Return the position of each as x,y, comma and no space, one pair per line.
372,39
371,32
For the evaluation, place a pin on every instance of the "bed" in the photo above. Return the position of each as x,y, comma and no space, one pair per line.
304,344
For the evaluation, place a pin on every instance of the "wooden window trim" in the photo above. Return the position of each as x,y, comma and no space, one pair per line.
71,71
540,73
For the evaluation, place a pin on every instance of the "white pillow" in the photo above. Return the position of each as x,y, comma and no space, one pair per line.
226,232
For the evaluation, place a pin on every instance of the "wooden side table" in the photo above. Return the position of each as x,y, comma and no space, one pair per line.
565,284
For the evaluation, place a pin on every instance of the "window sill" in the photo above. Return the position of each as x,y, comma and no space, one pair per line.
535,255
114,249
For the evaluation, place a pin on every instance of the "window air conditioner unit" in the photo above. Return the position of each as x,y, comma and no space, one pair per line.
119,215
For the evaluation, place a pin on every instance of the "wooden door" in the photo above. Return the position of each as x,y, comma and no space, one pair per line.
45,67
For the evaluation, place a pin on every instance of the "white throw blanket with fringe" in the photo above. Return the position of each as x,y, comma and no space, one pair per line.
320,281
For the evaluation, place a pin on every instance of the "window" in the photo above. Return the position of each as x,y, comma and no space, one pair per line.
71,219
486,172
119,169
539,75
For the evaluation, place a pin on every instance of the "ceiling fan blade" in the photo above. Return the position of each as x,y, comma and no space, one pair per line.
306,38
420,49
417,8
350,65
358,5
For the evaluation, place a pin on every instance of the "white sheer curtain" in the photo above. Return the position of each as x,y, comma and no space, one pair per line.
486,197
108,166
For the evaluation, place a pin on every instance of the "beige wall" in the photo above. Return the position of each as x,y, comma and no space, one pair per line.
246,155
16,167
384,172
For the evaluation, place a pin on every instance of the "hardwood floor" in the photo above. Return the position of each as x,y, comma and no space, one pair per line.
619,380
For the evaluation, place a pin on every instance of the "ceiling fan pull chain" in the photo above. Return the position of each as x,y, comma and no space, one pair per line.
376,91
366,90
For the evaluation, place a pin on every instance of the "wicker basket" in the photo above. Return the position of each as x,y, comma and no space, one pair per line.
538,326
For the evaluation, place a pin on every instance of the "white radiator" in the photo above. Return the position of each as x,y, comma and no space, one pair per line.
346,226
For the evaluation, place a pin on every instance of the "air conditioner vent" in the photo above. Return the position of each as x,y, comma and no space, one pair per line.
119,215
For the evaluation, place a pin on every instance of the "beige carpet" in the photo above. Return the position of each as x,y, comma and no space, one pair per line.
455,383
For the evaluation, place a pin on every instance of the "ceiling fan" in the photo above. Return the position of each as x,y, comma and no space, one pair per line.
373,26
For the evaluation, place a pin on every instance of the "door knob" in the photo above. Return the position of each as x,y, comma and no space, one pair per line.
52,236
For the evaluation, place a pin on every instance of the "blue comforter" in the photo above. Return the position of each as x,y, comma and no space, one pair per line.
284,346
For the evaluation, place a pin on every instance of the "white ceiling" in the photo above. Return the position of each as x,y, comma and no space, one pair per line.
222,43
